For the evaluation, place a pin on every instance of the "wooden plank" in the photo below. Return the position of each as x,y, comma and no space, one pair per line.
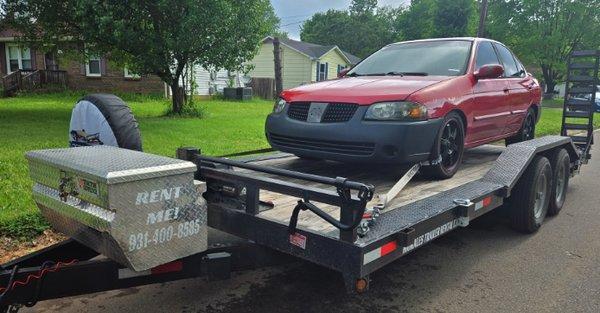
476,163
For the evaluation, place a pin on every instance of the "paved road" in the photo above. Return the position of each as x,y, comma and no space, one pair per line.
483,268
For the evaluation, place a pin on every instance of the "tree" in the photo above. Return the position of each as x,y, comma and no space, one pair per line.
360,31
545,32
159,37
437,18
452,18
417,21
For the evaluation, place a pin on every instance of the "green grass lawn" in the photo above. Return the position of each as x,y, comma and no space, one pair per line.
41,121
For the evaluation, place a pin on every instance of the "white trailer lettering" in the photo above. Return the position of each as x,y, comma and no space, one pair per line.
155,196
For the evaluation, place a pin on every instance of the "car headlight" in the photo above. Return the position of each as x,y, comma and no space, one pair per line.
396,111
279,106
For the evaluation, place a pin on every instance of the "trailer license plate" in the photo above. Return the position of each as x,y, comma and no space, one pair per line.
298,240
316,111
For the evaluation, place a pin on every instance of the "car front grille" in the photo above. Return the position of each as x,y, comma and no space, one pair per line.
335,112
332,146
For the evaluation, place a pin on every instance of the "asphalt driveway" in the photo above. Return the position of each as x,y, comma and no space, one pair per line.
486,267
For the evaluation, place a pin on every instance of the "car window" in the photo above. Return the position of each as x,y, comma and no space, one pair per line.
508,61
485,55
439,57
520,67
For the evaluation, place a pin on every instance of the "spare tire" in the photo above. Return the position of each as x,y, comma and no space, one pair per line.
104,119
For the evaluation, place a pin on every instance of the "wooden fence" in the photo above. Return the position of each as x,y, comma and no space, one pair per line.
263,87
32,80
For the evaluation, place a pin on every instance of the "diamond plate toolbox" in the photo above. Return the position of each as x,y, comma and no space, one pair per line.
138,209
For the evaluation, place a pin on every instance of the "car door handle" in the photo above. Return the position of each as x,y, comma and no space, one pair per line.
506,90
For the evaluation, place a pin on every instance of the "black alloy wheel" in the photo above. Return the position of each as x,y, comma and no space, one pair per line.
527,131
448,149
529,128
451,145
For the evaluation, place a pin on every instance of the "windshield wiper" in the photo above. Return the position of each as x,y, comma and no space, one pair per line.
414,74
394,73
354,75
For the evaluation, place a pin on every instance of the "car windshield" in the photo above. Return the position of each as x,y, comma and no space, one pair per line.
440,58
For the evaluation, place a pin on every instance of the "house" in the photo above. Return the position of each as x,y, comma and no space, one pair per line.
211,82
302,62
95,75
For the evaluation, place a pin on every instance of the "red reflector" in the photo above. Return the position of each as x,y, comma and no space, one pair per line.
175,266
388,247
487,201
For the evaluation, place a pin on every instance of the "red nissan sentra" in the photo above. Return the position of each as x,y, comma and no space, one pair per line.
414,101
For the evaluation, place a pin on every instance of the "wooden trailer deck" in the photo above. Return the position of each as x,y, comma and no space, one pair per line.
476,163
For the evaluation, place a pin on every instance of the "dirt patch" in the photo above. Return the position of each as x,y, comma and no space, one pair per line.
11,248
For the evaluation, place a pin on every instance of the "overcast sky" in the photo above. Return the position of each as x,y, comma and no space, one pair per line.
293,12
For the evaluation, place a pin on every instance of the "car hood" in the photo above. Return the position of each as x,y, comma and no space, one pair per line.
362,90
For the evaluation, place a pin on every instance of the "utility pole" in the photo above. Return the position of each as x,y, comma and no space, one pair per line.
482,16
277,55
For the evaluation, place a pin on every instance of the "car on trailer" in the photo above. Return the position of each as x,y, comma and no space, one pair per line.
277,207
415,101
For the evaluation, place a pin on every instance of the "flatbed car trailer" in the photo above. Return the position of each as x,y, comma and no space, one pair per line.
276,208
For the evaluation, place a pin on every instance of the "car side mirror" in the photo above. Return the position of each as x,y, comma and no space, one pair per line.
343,72
489,71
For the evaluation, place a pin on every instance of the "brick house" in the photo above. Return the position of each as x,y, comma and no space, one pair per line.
94,75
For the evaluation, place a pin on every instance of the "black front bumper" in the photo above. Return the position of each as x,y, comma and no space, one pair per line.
354,141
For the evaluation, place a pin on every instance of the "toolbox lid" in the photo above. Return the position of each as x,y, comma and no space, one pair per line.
112,164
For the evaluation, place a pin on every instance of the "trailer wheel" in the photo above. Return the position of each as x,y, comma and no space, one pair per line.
529,201
104,119
560,162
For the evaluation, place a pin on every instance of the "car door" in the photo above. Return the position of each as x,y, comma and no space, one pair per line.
489,109
519,87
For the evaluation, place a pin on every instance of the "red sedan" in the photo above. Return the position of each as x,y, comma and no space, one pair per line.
415,101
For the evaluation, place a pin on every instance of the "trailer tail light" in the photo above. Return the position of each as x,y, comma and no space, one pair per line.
171,267
379,252
483,203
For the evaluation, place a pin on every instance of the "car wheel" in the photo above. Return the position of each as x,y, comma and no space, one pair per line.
448,148
560,162
526,132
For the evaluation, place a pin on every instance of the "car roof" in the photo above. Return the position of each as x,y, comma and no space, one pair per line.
473,39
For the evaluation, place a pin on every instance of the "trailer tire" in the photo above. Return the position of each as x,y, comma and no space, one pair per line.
104,119
530,197
560,162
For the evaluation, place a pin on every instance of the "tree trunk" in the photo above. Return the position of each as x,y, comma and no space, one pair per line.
549,79
178,95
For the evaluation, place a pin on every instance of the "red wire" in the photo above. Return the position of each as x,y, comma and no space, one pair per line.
39,275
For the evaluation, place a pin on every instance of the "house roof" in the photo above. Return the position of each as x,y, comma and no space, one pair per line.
313,50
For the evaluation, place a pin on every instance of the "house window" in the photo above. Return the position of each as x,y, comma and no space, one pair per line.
322,71
128,74
92,67
17,58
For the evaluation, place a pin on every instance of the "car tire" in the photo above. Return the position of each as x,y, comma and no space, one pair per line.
527,131
560,162
450,145
531,196
104,119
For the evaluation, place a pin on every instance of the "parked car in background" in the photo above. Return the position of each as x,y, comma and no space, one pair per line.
424,100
